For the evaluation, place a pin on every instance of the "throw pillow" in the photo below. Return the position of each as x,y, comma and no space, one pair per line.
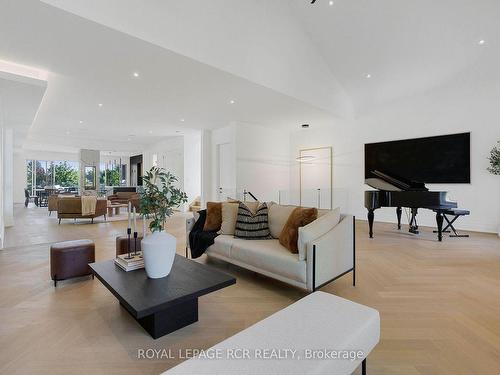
214,217
229,215
316,229
278,215
252,226
298,218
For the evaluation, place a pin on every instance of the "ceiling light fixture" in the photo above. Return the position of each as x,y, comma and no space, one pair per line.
100,104
482,42
232,101
368,76
81,121
136,74
304,126
150,132
330,3
182,120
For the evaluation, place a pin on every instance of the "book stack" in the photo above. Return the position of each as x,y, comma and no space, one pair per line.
135,263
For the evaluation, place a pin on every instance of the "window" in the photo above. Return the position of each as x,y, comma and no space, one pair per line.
43,174
112,173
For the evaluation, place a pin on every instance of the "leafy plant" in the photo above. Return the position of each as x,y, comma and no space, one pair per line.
494,159
160,197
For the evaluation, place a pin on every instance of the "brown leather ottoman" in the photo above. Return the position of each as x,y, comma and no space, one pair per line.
70,259
121,244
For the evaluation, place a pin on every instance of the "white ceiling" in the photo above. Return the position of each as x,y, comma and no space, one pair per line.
20,98
285,62
88,64
406,46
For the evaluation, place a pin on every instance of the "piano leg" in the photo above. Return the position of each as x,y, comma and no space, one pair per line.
439,221
371,216
398,214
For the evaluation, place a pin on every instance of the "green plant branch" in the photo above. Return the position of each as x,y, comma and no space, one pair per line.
160,197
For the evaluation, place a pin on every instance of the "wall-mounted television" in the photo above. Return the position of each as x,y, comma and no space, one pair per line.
440,159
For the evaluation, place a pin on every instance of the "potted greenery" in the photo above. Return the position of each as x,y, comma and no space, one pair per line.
158,200
494,167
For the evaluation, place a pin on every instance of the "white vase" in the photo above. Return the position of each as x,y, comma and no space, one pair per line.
158,251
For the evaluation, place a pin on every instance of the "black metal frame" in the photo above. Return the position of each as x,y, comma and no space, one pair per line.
353,269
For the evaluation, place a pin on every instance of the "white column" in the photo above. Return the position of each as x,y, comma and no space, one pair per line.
8,177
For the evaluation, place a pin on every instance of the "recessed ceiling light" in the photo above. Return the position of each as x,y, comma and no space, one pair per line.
182,120
81,121
330,3
136,74
368,75
482,42
150,132
100,104
232,101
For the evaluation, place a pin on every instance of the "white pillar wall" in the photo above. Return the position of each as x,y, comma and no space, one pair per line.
8,177
89,158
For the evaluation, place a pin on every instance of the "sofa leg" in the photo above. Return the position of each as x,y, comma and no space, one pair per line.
59,220
363,367
55,282
92,221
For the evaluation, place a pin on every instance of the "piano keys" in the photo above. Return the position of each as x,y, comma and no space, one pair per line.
398,192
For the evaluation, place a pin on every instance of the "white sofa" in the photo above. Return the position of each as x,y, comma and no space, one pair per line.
321,260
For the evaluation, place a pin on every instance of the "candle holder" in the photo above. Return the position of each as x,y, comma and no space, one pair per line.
129,232
135,243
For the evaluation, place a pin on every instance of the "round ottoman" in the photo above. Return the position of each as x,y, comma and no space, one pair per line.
71,259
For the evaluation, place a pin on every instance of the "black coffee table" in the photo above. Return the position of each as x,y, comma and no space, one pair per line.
162,305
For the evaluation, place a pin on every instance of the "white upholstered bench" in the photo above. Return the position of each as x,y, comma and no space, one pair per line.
320,324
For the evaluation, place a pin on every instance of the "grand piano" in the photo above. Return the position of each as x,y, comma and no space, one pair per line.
393,191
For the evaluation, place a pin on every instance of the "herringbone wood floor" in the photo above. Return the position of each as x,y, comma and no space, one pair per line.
439,304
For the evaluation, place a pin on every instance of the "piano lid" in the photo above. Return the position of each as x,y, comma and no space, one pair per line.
386,182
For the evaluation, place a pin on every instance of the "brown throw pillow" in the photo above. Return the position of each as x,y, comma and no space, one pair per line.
214,217
290,233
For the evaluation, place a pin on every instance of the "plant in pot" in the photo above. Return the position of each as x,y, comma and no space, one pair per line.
158,199
494,167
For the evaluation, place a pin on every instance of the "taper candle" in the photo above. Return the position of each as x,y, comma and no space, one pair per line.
135,221
129,209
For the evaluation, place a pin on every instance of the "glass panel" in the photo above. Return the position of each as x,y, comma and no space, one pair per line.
66,175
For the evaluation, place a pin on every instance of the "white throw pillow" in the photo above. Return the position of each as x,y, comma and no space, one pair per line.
316,229
278,216
229,212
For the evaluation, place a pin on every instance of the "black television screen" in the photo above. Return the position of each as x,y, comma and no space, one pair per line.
441,159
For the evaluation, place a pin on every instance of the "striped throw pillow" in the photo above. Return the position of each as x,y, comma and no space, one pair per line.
251,226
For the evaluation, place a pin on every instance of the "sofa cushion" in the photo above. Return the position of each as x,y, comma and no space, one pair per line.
270,256
298,218
229,215
278,215
214,217
316,229
252,225
222,245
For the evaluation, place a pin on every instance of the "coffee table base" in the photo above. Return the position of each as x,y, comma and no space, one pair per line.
171,319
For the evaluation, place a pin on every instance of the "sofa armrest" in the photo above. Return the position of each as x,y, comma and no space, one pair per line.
332,255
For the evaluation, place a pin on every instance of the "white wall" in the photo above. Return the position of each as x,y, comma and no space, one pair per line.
192,165
8,177
260,161
466,104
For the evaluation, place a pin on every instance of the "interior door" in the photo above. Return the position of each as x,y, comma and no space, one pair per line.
226,186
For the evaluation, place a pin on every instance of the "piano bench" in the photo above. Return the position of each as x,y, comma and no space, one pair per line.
456,213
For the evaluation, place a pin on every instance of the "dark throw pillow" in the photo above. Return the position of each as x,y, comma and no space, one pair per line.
251,226
214,217
298,218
